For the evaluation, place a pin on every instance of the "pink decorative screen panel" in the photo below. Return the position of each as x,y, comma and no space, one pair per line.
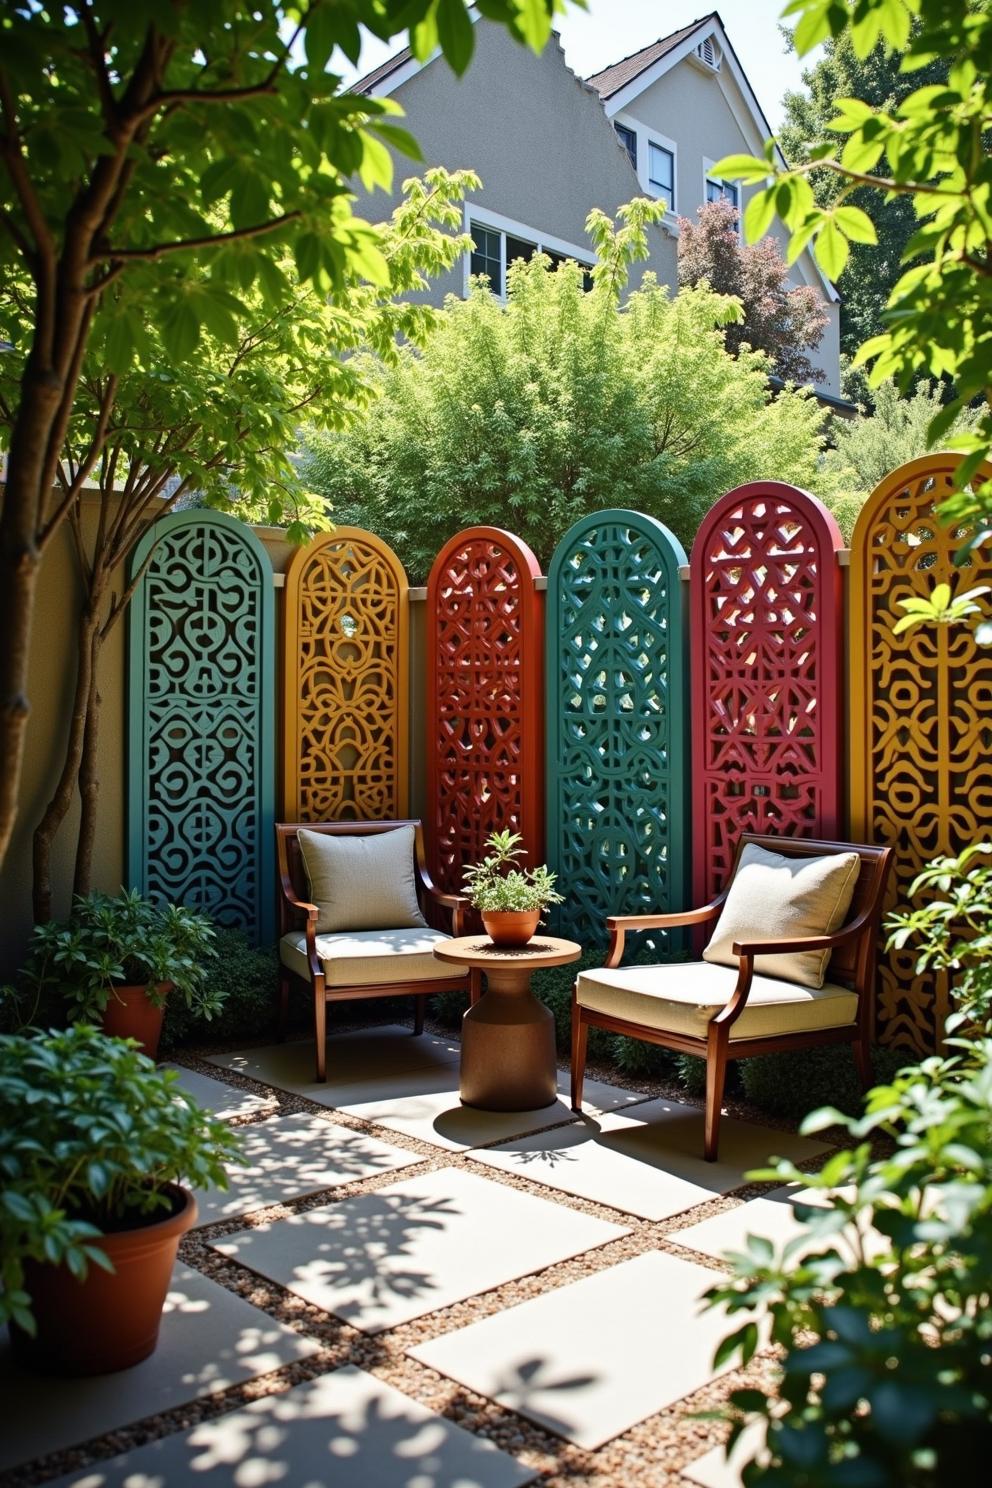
767,720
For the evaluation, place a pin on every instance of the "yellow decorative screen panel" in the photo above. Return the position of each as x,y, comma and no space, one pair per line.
921,716
345,681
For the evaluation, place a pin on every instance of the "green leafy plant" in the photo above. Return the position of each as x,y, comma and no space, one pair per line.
494,884
244,978
124,940
560,402
929,149
883,1306
90,1134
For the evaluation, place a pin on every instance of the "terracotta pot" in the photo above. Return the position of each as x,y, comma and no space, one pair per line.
511,927
110,1320
131,1013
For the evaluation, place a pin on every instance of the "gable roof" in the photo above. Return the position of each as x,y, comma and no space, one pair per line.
379,74
619,74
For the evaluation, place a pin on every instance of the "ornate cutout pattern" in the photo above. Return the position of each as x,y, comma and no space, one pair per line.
484,699
921,716
617,711
345,678
766,643
201,752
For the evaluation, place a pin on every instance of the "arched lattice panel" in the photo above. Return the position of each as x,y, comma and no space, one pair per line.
345,681
201,762
921,724
617,712
485,682
767,636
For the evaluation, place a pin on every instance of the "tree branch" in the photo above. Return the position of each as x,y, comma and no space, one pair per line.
158,250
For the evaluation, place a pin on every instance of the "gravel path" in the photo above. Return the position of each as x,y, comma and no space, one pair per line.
649,1455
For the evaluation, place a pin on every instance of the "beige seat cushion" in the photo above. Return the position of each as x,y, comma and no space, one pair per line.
364,882
776,897
683,999
371,958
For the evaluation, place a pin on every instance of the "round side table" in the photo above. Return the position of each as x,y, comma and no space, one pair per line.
508,1038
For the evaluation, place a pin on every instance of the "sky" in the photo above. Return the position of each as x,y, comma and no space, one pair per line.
611,29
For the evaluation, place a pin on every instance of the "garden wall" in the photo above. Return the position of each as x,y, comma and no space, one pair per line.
630,714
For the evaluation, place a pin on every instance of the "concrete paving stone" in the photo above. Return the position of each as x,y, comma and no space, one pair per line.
216,1097
440,1118
646,1161
346,1429
371,1064
289,1156
590,1360
380,1259
773,1216
717,1470
210,1339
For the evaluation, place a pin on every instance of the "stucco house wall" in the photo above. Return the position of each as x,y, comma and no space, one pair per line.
535,134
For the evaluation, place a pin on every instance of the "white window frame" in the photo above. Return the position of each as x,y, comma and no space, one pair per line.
645,139
710,175
544,242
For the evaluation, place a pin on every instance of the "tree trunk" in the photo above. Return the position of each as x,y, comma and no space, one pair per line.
89,780
87,643
23,504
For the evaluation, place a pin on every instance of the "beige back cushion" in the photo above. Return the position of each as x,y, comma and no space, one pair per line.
775,897
362,882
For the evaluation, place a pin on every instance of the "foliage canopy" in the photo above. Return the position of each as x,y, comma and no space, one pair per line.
931,149
559,403
787,323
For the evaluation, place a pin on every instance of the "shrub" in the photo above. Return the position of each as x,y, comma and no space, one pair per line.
559,403
121,940
887,1372
90,1134
244,979
795,1084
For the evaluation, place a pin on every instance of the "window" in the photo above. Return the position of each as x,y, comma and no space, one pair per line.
487,256
493,251
722,191
628,139
661,173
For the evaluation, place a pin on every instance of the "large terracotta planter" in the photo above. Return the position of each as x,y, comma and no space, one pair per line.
108,1321
131,1013
511,927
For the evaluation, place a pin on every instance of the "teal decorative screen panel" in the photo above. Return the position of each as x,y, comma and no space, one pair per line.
616,722
201,759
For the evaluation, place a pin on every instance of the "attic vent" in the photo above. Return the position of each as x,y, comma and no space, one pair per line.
709,52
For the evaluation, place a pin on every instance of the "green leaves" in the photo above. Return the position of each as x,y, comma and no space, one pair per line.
90,1132
939,608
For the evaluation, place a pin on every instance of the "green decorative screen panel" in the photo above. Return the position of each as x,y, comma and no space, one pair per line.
616,721
201,759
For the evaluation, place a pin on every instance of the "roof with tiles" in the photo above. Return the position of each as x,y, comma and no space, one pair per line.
619,74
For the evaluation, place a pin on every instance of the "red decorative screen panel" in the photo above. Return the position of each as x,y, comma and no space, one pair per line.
766,628
485,688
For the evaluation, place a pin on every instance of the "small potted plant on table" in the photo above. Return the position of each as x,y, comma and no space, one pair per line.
511,900
94,1141
118,957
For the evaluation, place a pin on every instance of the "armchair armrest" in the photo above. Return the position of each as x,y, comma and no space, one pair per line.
748,949
456,903
620,925
752,948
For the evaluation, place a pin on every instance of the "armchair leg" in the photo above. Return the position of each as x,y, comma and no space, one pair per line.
320,1029
283,1011
716,1075
580,1039
418,1016
862,1059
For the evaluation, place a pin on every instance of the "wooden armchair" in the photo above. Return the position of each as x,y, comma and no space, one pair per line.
696,1007
342,967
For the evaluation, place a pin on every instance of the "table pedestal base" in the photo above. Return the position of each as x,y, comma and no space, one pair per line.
508,1047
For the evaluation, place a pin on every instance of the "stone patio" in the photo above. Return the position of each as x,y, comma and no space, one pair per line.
396,1292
